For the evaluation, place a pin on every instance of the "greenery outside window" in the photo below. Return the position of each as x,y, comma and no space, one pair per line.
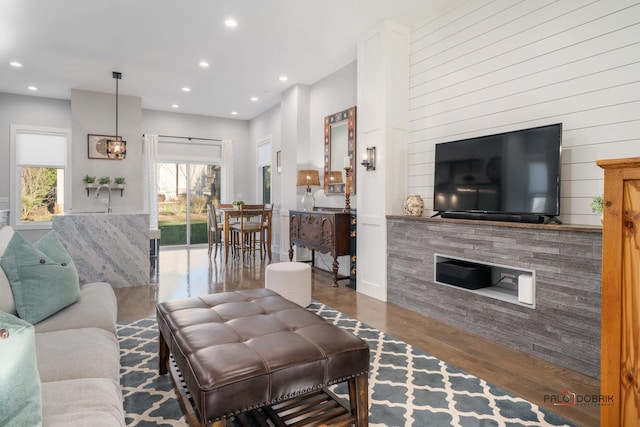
263,175
266,184
184,190
39,165
39,193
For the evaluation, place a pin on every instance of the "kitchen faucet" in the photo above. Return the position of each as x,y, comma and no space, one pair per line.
98,195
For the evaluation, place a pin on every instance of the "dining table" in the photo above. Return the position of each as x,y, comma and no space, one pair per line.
228,214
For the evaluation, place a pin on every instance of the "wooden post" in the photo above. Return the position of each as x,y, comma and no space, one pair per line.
620,340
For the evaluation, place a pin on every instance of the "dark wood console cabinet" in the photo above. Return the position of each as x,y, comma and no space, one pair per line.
324,230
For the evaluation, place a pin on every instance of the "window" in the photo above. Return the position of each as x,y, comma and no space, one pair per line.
263,160
266,184
39,167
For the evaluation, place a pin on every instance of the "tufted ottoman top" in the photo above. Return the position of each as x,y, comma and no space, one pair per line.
246,349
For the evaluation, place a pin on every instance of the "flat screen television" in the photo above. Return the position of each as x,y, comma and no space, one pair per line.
505,176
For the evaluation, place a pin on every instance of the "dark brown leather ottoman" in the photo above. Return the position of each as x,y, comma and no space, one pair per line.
238,351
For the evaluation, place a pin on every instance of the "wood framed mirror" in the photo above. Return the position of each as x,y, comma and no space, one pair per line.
339,143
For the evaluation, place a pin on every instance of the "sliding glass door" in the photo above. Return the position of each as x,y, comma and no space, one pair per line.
184,190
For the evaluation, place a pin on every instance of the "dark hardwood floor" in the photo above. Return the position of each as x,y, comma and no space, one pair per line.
190,272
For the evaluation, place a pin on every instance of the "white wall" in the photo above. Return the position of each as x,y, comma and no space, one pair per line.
26,110
488,67
294,126
267,125
297,130
330,95
190,125
94,113
333,94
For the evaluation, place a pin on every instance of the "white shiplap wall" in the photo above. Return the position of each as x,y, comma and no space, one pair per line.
492,66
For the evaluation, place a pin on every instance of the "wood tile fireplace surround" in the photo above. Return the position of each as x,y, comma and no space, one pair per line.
562,327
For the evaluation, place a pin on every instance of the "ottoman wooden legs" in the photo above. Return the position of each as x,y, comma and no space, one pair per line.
163,368
359,399
163,355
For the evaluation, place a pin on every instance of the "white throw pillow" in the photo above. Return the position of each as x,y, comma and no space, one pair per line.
7,303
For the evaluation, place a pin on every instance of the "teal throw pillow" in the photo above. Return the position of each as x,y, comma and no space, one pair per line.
20,393
42,276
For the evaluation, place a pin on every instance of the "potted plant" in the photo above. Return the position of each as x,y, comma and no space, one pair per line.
89,181
104,180
120,181
597,205
236,204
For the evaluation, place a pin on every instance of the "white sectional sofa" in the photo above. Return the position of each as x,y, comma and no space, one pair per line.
77,356
79,362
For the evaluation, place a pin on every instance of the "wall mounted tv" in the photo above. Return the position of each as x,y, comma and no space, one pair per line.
510,176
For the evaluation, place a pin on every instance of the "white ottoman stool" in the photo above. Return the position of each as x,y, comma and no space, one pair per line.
292,280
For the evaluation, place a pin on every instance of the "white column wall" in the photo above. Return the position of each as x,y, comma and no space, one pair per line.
295,144
383,102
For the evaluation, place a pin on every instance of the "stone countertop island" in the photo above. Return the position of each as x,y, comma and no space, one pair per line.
111,248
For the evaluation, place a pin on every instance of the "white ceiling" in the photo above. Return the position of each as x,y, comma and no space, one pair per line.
157,45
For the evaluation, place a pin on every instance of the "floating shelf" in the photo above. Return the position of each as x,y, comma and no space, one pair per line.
90,189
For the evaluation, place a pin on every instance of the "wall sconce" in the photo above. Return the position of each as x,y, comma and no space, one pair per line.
369,159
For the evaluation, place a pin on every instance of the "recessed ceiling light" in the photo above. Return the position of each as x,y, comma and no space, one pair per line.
186,89
174,106
15,64
33,88
234,113
283,78
254,98
203,64
231,23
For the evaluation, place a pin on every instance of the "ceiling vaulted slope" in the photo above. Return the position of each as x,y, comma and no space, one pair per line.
157,45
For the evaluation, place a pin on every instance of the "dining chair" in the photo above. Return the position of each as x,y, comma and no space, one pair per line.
215,229
245,234
266,225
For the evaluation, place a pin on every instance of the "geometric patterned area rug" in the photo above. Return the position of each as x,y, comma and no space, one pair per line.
407,387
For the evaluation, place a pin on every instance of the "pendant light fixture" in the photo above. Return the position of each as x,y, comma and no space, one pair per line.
116,147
